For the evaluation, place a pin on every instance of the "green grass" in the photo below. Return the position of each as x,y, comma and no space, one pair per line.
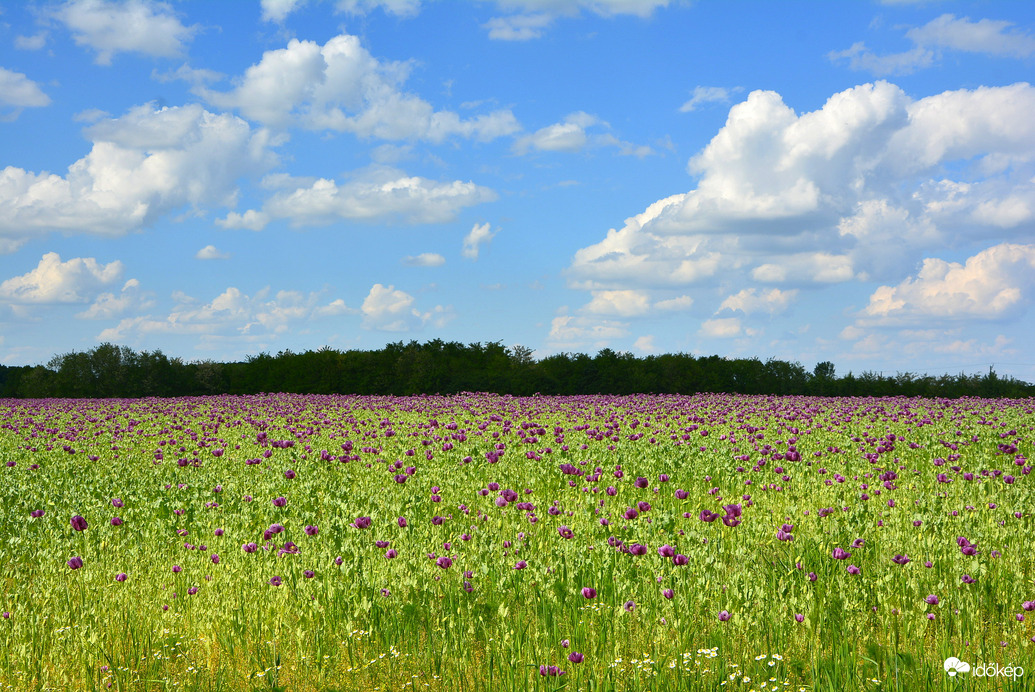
83,630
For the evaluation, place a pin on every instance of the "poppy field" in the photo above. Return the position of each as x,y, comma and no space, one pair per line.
485,542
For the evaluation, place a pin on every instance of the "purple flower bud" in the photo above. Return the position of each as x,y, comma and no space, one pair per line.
176,569
338,560
289,474
589,592
669,594
75,563
78,523
724,616
121,576
215,559
575,657
799,617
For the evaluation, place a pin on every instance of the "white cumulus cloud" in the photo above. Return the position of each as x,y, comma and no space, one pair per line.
18,91
137,26
143,165
479,235
373,194
388,309
77,280
424,259
341,87
210,252
994,284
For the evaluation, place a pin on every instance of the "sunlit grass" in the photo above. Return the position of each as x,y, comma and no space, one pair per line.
748,611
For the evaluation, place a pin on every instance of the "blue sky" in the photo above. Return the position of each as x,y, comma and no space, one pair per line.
809,181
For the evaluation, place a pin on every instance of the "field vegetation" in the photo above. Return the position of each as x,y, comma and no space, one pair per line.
484,542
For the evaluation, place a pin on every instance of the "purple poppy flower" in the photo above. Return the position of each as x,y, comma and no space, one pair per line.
730,520
782,535
116,521
666,551
391,554
630,514
812,576
643,506
36,513
1028,605
589,592
638,549
787,528
289,474
575,657
78,523
708,516
900,559
841,554
218,532
799,617
275,581
630,606
679,559
852,569
858,543
279,501
565,532
669,594
311,530
682,494
444,562
724,615
931,599
121,576
116,502
75,563
361,523
967,579
521,564
215,559
309,574
641,482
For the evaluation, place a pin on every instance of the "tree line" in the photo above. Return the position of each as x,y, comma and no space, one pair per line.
438,367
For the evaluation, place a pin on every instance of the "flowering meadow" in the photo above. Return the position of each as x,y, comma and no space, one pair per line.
484,542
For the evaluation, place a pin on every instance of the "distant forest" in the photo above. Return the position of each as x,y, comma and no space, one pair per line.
439,367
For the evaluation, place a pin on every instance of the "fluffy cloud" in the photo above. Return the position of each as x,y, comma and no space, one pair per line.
569,331
632,303
53,281
532,17
424,259
388,309
137,26
750,301
722,328
374,194
111,305
143,165
994,284
571,136
703,95
947,32
18,91
278,10
473,241
210,252
34,42
231,313
820,197
341,87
